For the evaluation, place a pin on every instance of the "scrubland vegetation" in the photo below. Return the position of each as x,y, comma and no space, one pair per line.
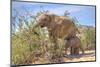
33,44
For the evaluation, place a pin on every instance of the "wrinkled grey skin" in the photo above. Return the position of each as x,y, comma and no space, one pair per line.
58,26
74,43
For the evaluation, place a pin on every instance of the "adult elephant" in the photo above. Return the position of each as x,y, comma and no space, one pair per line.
59,27
75,44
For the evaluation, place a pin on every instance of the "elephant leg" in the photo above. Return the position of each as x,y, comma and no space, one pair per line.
66,51
82,50
66,48
72,50
76,51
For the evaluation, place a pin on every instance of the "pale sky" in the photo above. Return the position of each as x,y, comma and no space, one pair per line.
84,14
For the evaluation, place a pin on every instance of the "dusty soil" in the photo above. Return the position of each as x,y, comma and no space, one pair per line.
88,56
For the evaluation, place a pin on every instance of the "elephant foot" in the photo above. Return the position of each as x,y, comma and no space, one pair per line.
74,51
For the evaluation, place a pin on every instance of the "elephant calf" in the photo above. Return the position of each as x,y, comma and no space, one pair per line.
75,44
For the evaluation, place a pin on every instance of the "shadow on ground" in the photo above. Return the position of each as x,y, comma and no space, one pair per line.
87,54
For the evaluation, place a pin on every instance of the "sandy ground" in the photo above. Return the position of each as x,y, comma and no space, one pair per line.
88,56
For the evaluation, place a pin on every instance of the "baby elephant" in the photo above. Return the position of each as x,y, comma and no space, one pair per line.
75,44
